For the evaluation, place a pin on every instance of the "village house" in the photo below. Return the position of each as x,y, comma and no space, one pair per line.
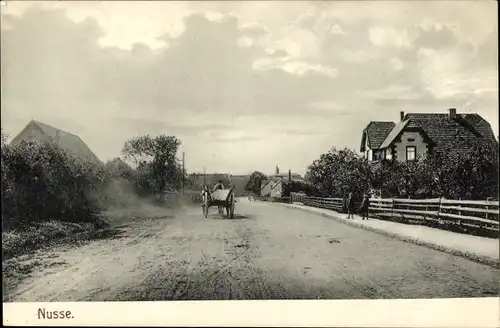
416,135
275,184
38,131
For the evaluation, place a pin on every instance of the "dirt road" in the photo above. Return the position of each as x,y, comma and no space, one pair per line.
265,252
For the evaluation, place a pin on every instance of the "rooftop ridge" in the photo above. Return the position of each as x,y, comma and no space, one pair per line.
53,127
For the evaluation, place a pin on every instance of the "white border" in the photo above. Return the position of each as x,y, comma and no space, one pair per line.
462,312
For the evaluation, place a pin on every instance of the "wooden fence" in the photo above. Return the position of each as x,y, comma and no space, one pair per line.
329,203
276,199
478,215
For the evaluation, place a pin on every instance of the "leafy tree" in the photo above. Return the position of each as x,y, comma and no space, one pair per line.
339,172
299,186
156,162
471,173
255,182
464,168
117,168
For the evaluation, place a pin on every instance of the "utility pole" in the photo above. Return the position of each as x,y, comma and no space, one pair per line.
183,172
204,176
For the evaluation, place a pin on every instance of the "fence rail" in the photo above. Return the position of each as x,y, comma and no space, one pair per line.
479,215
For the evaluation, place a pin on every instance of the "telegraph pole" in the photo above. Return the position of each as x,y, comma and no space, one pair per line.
183,172
204,176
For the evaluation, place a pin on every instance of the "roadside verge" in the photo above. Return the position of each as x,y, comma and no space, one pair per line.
478,249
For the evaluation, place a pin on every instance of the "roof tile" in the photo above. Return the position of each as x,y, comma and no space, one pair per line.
377,132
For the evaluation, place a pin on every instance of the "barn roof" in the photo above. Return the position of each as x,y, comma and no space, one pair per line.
65,140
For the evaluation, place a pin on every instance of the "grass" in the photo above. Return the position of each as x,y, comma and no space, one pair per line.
47,234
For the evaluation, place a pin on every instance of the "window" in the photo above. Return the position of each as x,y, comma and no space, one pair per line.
388,154
379,155
411,152
411,139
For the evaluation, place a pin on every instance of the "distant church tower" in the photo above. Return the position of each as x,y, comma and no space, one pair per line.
277,170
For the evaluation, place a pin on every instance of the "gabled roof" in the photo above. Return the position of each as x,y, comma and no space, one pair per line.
398,128
443,129
265,183
65,140
439,129
282,182
376,132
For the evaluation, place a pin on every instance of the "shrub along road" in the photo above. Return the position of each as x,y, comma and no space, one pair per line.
265,252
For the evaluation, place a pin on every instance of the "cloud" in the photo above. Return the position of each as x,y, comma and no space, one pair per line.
397,64
400,92
382,36
220,75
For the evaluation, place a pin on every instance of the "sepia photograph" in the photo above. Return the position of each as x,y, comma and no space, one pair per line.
249,150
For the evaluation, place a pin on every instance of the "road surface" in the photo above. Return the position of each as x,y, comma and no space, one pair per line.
267,251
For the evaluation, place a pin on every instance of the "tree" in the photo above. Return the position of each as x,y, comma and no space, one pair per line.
471,173
155,159
466,169
299,186
255,182
339,172
384,178
117,168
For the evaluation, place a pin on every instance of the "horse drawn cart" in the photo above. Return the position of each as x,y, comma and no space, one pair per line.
222,198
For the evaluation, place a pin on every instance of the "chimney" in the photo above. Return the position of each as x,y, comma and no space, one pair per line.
277,170
402,115
289,175
452,112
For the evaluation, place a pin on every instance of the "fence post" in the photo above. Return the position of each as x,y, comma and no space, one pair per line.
392,209
460,213
487,214
439,210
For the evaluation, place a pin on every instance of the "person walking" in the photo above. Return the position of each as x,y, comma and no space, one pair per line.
350,206
365,205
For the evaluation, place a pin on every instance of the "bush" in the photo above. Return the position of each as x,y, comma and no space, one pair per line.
41,182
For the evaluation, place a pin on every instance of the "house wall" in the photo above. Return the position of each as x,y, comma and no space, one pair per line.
369,154
266,189
277,191
31,132
400,146
368,151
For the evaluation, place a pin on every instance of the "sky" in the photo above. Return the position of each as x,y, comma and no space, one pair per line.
244,85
